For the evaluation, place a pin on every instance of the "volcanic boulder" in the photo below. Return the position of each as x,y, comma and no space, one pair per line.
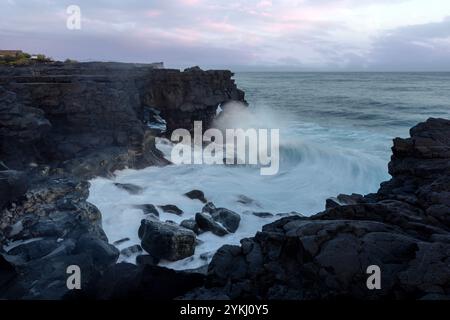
166,240
229,219
207,223
196,194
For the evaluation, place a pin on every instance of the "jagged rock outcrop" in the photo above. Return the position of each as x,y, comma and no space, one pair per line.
55,228
183,97
404,229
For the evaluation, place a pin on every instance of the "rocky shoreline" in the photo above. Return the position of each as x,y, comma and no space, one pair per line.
63,124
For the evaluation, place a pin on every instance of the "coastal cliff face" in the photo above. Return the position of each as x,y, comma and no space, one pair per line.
61,112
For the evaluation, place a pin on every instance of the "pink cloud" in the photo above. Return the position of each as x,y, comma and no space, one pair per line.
312,13
264,4
153,13
189,2
220,26
282,27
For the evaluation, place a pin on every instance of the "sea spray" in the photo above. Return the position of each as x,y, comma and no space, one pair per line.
250,146
309,173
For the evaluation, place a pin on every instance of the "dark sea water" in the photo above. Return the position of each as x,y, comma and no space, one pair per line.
378,106
336,132
391,101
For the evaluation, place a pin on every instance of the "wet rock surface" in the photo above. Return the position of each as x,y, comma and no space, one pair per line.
190,224
130,188
120,241
229,219
219,221
196,194
404,229
209,207
170,208
207,223
263,214
166,240
148,209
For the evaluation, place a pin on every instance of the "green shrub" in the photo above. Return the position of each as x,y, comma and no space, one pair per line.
24,58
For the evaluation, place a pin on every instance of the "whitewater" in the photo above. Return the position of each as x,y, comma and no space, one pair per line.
335,137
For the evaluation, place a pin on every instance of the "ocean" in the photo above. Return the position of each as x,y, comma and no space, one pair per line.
336,132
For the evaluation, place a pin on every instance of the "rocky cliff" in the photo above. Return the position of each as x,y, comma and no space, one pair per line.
59,113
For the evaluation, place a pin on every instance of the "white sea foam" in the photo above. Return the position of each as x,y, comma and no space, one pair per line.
310,172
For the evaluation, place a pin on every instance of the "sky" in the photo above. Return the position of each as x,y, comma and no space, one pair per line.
310,35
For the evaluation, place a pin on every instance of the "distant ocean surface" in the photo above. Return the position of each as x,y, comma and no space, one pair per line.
336,131
355,110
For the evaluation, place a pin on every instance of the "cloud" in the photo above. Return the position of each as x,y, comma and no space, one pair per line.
418,47
333,34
